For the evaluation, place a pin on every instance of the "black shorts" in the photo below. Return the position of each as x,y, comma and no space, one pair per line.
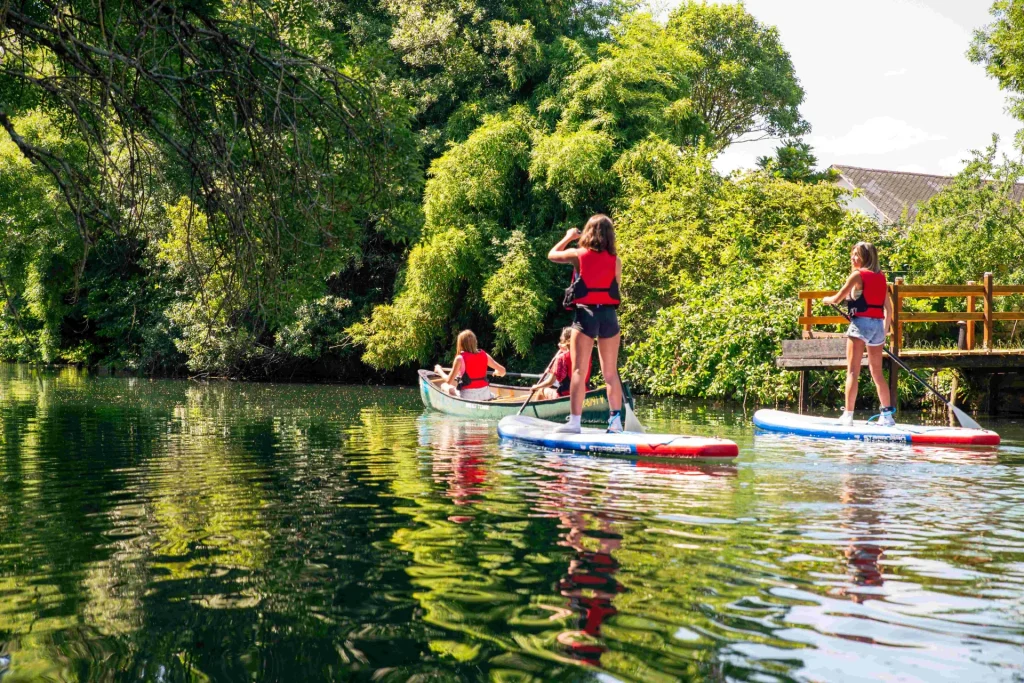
597,322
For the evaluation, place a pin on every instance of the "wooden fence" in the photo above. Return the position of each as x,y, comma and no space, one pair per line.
996,360
972,291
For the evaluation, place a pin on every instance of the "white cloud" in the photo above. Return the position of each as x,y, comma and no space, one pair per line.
954,163
912,168
896,72
878,135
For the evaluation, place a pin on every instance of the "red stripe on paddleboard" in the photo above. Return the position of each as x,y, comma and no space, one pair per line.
699,449
956,439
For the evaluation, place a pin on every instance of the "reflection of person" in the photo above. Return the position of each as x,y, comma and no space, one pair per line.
555,384
862,554
468,376
590,586
870,307
595,297
459,459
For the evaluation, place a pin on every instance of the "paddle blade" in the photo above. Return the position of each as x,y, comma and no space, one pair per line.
965,419
632,424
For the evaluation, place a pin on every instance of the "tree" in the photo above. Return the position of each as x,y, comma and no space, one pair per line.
794,160
998,47
744,85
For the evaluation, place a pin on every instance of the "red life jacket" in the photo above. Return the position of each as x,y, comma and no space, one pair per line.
563,386
474,370
871,302
596,285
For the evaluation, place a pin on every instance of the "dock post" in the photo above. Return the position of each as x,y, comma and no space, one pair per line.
970,323
805,394
988,310
897,342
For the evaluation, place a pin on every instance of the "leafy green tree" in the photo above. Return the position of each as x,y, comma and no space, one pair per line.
743,84
794,160
998,47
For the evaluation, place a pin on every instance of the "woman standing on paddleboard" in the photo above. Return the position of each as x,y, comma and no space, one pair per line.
594,296
867,296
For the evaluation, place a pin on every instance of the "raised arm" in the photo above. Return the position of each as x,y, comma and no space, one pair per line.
843,294
561,254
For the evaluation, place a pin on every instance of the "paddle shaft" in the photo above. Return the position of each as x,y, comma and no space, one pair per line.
534,390
510,375
895,359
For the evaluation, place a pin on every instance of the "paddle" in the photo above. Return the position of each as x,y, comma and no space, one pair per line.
511,375
964,418
631,423
534,390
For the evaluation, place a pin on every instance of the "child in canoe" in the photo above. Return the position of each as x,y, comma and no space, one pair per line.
468,377
556,381
867,297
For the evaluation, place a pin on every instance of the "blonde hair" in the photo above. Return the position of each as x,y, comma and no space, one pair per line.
565,336
599,234
867,255
466,343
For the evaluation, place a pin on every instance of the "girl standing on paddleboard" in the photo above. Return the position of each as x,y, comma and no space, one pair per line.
594,296
867,296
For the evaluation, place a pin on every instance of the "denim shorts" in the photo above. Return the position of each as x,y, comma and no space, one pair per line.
870,330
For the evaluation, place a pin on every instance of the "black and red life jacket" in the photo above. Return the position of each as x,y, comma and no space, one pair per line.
474,370
871,302
596,284
564,385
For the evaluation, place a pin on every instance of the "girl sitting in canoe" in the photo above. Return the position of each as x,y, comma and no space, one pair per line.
555,383
468,376
867,296
594,296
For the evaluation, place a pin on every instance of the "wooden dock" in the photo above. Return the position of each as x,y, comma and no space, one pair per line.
827,351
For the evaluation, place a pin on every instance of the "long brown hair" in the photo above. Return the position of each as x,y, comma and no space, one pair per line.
599,234
466,343
868,255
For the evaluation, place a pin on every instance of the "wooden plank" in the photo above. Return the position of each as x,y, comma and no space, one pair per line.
805,392
987,280
821,294
939,316
808,313
1008,315
897,315
939,291
822,320
814,348
1004,290
970,325
815,363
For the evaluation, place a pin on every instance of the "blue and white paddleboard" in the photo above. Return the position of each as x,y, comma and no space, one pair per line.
541,433
829,428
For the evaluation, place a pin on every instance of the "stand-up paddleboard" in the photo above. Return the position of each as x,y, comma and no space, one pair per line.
829,428
541,433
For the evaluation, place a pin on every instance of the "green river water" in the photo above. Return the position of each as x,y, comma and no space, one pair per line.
175,531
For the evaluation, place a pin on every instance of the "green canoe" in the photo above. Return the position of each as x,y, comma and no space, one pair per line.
595,406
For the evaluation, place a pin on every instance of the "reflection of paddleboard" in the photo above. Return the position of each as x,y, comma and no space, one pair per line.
541,433
829,428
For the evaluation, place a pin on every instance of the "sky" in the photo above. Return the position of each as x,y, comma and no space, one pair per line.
888,84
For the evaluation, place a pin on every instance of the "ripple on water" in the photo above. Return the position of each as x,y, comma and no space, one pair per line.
174,531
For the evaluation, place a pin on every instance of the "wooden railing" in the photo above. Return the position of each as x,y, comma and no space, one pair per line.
972,291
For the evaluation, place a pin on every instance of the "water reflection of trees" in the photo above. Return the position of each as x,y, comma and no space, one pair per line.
173,529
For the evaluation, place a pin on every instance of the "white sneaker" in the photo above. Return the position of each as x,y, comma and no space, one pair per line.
567,428
885,418
846,420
